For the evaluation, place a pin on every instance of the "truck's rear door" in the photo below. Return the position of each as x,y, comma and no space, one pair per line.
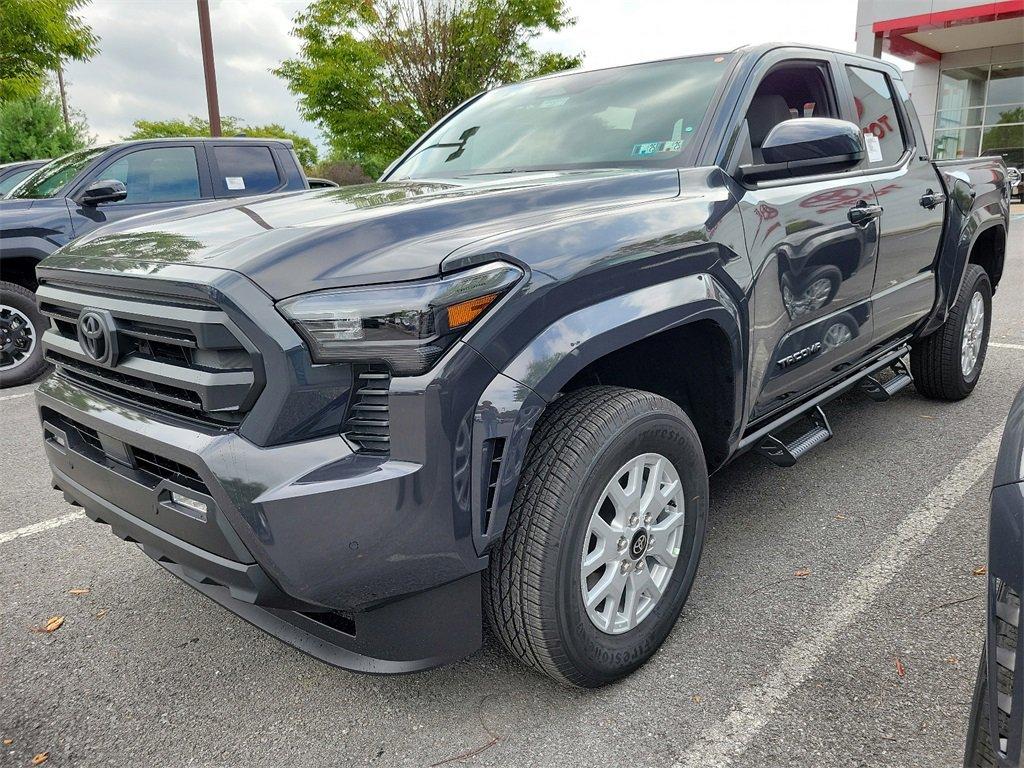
907,188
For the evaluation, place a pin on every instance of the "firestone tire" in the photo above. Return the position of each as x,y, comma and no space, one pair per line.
937,362
21,330
535,588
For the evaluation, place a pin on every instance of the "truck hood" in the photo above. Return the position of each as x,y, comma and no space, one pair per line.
371,233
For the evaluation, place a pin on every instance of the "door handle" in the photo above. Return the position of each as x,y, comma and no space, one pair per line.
863,213
932,199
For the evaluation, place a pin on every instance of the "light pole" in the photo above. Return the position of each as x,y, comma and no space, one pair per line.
63,93
210,74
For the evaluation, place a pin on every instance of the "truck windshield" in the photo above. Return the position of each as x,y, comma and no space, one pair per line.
644,115
49,180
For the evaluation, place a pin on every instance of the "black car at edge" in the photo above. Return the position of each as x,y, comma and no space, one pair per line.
997,713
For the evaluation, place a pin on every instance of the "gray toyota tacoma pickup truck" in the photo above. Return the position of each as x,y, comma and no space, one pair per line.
493,385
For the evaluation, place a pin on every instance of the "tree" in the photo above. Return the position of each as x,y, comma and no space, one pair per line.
375,74
33,127
1008,133
230,126
35,37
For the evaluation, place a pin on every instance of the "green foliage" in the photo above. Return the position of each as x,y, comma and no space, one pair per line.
340,172
35,36
375,74
33,128
1007,133
230,126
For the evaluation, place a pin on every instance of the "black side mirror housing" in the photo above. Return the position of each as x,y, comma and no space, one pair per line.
807,145
104,191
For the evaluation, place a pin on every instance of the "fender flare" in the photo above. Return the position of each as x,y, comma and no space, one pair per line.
950,277
512,403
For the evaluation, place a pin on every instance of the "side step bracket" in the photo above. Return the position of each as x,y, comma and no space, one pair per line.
880,392
786,454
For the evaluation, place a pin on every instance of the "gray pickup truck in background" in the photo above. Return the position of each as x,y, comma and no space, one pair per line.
81,191
493,385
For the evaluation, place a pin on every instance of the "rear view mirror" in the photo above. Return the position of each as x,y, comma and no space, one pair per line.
807,145
105,191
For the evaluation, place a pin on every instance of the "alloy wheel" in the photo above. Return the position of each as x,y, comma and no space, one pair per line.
17,338
632,543
974,328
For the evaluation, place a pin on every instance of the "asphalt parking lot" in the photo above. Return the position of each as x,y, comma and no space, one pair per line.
867,659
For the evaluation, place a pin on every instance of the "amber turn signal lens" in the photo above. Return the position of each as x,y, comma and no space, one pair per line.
467,311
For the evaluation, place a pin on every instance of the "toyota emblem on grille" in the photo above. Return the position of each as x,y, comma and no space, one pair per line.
98,335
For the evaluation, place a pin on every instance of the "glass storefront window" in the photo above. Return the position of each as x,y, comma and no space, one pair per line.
1004,140
960,88
952,145
1004,113
959,118
1007,84
980,110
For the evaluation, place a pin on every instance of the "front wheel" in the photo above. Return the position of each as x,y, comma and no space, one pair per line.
21,326
947,364
603,538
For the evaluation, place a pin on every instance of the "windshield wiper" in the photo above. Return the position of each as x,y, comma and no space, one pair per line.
510,170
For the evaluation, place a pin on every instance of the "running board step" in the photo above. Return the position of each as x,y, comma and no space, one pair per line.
880,392
786,454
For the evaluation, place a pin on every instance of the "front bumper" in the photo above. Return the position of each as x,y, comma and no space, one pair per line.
351,559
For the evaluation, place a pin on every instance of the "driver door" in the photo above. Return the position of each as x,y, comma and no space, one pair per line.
810,310
156,177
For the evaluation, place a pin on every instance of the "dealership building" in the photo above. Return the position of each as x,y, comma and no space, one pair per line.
968,78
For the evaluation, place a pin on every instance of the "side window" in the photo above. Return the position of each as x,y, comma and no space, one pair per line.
165,174
792,89
13,180
877,116
245,170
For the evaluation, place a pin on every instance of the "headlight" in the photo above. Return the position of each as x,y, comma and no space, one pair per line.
406,325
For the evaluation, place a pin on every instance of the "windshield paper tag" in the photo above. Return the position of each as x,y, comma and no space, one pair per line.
237,182
874,147
654,147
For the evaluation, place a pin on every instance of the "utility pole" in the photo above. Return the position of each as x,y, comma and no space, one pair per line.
63,94
210,74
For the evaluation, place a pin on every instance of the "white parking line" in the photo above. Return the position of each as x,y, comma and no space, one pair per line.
1004,345
46,525
730,738
15,397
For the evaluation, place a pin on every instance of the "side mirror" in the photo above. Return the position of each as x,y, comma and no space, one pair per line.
806,145
105,191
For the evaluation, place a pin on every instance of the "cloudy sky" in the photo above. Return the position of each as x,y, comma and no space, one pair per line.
149,65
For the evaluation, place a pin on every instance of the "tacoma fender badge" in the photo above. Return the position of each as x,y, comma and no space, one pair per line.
800,354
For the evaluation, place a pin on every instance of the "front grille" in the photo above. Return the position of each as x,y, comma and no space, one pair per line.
368,423
181,356
151,466
163,468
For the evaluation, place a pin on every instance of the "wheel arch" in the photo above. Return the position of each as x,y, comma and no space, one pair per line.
20,268
988,251
689,328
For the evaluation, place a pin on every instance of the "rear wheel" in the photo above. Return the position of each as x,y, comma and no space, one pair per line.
21,326
603,538
947,364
